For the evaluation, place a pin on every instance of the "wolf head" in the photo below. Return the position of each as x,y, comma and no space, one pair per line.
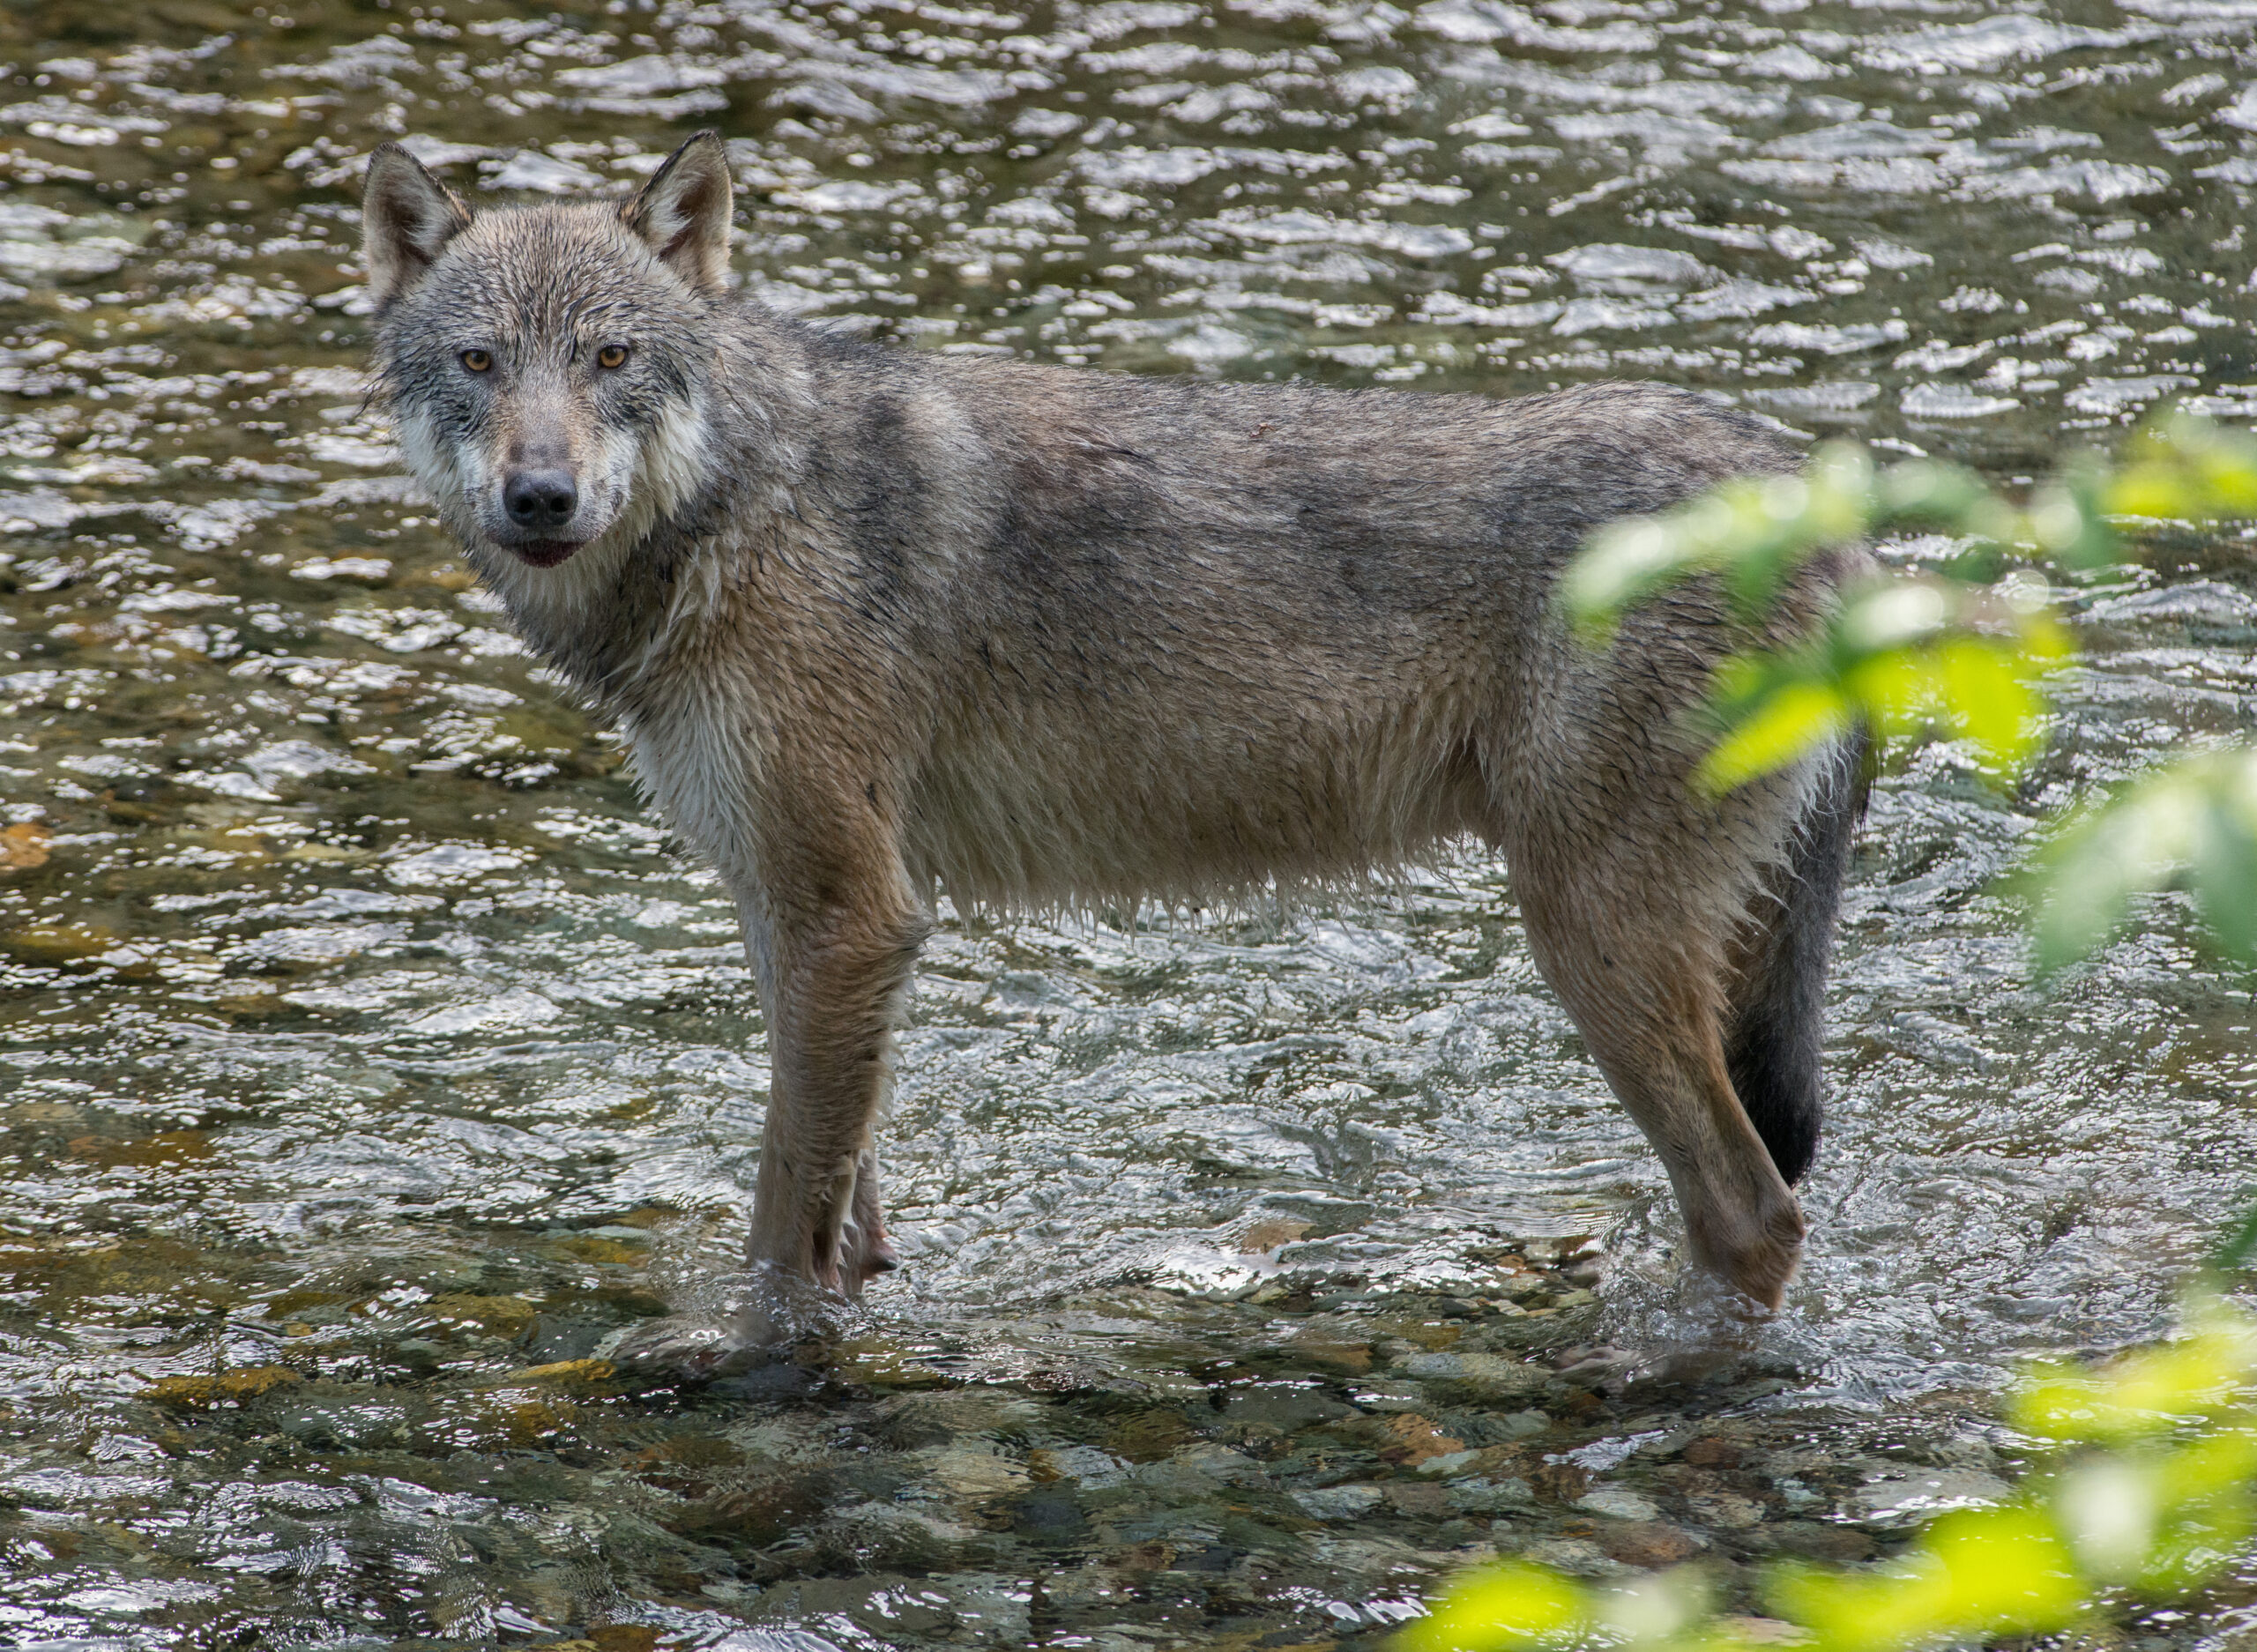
548,369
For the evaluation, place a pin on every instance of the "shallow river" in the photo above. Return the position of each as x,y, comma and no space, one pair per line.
370,1057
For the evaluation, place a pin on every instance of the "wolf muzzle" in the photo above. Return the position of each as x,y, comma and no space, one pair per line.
539,504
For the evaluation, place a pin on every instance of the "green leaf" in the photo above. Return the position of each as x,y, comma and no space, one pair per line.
1503,1607
1901,653
2009,1570
1792,720
2224,864
2234,1251
1994,1571
2185,468
1755,530
2198,812
2068,518
1986,696
2147,1394
1904,652
1926,491
2110,1510
1620,565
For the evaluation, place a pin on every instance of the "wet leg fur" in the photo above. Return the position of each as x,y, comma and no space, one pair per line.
836,982
1634,904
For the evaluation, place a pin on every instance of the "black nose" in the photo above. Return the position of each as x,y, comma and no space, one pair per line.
540,500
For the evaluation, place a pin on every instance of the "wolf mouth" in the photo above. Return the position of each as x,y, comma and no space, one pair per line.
544,553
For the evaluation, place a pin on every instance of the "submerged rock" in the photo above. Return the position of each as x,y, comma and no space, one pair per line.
1338,1502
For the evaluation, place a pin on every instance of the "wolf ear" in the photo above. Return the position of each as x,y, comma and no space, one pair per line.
683,213
407,217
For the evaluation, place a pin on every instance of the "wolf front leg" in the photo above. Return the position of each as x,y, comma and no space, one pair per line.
833,943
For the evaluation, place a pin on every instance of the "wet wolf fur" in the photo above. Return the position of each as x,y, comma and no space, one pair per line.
880,623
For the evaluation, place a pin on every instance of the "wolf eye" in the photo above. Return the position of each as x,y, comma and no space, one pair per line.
612,355
477,360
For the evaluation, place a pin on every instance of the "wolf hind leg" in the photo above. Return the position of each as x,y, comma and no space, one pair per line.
1774,1032
1641,967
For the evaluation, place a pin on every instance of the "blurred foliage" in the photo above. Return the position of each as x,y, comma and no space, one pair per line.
1900,653
2147,1494
2191,822
1966,648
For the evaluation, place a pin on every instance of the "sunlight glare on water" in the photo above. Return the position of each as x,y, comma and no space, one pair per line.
370,1057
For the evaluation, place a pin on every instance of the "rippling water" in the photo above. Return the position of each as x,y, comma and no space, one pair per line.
370,1057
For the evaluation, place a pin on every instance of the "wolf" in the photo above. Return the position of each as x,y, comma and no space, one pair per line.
881,625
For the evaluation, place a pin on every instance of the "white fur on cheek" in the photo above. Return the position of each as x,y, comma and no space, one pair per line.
660,472
439,465
674,464
453,473
675,458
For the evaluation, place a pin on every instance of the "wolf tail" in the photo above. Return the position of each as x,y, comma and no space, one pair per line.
1777,1031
